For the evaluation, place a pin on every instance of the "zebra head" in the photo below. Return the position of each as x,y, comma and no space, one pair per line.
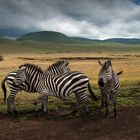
63,66
60,67
105,73
21,76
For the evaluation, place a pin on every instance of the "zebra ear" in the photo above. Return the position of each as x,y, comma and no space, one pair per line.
109,62
100,63
67,63
21,70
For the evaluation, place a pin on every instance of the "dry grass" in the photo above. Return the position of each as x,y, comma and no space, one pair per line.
129,79
130,65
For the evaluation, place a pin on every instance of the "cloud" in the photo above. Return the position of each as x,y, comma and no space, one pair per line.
87,18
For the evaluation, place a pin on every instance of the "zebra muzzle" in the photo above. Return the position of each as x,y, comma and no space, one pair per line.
101,82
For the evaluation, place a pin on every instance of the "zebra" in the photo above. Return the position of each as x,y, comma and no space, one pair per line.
59,86
109,85
59,67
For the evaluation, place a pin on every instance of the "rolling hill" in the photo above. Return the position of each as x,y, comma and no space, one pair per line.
4,40
46,36
54,37
57,37
55,42
123,40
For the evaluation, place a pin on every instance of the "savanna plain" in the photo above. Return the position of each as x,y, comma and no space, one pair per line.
59,123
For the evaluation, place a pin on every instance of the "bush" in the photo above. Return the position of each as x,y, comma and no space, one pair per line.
1,58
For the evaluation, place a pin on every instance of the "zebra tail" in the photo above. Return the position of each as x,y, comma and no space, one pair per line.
119,72
92,93
4,89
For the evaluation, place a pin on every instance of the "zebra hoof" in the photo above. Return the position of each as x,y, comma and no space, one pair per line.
106,115
41,108
9,113
15,112
96,99
44,112
74,112
85,116
115,116
36,114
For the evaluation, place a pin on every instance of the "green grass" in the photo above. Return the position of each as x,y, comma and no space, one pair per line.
45,47
24,103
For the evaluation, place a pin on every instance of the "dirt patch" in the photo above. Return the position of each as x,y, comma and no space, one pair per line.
126,126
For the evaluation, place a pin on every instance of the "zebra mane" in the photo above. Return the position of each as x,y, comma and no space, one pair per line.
58,64
108,63
32,66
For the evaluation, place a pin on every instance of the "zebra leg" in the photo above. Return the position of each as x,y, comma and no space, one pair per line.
9,105
114,103
14,107
86,109
40,97
11,109
82,100
76,108
102,103
106,104
13,95
44,106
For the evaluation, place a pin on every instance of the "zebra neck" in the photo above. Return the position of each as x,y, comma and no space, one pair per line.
32,77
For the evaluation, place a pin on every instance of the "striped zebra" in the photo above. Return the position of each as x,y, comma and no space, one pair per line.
57,68
109,85
59,86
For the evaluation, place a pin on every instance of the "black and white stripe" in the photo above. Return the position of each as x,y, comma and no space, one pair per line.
109,85
57,68
57,85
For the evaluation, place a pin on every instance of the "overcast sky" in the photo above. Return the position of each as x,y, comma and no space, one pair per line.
86,18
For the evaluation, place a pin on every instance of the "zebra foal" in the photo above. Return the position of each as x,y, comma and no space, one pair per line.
109,85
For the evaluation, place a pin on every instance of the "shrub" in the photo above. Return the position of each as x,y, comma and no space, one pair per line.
1,58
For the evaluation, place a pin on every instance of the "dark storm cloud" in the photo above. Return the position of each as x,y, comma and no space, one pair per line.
88,18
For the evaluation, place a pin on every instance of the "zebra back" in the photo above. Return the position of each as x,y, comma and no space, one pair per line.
58,85
59,67
32,73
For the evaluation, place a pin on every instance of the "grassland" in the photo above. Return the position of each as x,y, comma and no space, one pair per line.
10,47
82,58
